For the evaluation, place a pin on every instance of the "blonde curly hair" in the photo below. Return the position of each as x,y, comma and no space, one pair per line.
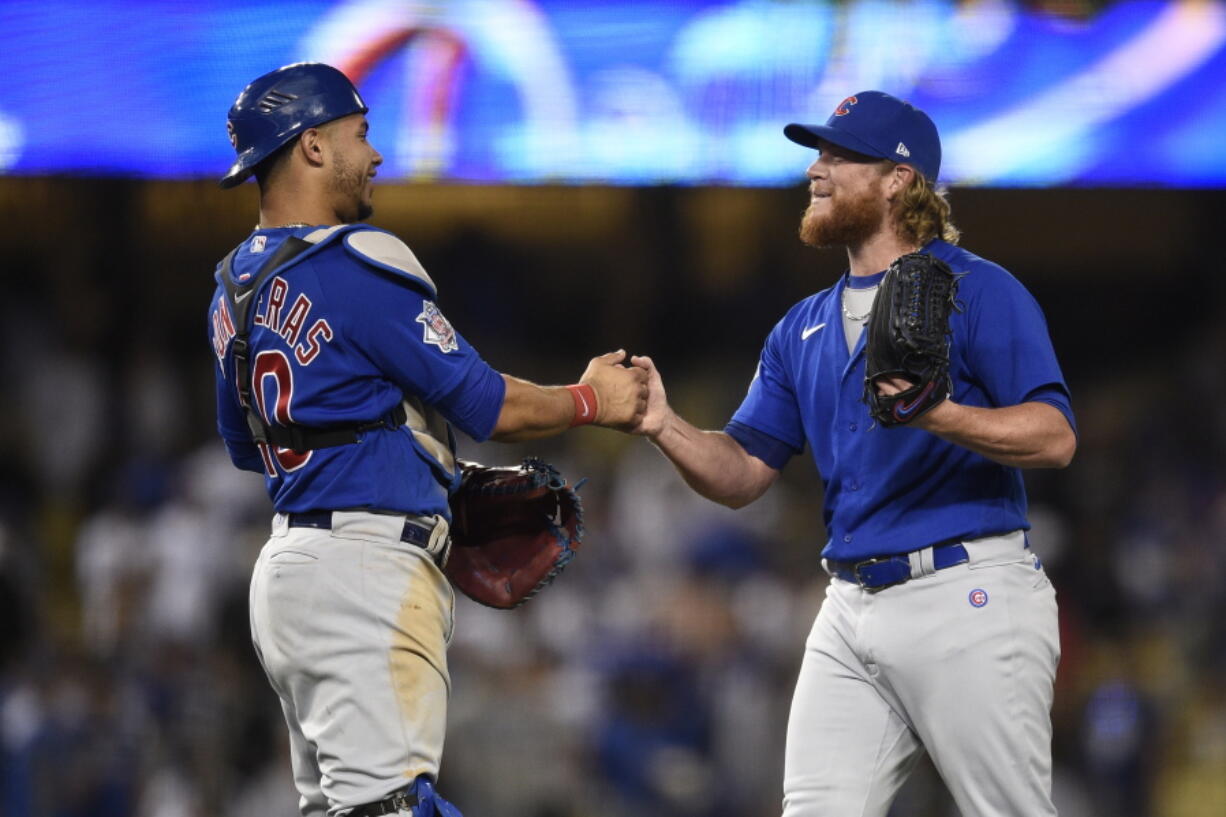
922,213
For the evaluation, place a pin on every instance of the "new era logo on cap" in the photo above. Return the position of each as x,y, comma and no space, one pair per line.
876,124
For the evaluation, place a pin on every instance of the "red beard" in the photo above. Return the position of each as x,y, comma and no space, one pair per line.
850,222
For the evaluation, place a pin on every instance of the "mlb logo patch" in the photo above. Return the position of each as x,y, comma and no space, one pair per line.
436,329
978,597
258,243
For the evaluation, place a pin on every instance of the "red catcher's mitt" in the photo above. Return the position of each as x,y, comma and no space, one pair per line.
512,531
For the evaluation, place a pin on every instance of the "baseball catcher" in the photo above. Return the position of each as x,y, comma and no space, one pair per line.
908,338
335,366
513,531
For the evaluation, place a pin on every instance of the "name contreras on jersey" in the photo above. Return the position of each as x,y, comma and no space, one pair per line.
288,323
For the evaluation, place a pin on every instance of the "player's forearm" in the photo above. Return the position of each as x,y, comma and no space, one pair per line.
1031,435
714,464
530,412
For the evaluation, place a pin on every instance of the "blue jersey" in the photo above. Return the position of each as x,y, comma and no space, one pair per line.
341,336
894,490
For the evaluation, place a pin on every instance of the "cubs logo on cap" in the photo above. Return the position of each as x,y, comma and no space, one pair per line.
845,106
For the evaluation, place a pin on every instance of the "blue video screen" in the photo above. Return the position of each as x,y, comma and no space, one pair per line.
647,92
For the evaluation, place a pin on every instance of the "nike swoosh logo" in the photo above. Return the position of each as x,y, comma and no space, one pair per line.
804,333
238,299
903,410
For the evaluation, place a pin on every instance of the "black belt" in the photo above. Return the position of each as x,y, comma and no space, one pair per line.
416,532
884,571
392,804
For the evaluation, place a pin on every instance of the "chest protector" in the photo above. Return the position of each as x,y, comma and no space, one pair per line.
433,437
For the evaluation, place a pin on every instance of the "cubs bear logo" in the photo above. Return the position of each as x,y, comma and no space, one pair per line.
845,106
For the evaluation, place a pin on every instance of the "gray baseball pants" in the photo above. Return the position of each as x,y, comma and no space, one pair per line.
958,662
352,625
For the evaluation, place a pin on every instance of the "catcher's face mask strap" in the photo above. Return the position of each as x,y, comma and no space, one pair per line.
877,124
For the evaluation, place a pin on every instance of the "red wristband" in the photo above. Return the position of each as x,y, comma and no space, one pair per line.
585,404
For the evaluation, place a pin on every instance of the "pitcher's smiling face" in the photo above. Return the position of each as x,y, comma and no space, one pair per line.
848,197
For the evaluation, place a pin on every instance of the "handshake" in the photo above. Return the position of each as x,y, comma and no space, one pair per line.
626,391
616,391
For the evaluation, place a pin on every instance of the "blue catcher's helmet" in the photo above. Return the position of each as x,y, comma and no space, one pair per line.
278,106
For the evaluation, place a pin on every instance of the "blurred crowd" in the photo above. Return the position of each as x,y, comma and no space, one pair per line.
652,679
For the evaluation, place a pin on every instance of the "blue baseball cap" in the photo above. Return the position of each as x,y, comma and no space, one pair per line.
876,124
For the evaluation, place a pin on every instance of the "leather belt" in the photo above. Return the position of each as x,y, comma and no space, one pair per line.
392,804
886,571
416,532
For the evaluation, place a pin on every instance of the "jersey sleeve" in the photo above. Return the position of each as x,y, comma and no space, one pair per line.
231,421
405,334
770,406
1009,349
474,404
232,426
771,451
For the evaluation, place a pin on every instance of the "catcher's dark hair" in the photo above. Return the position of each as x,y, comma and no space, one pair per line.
923,213
267,169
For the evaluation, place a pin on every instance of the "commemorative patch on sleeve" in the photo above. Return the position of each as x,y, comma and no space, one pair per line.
437,330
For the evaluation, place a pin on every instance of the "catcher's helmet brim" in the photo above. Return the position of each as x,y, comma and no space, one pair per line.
238,173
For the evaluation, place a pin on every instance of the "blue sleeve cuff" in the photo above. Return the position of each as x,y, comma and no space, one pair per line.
1057,396
772,451
245,456
474,403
